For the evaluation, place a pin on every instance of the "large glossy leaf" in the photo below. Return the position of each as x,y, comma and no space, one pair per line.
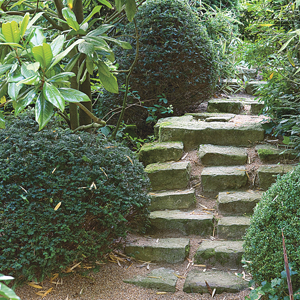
23,103
43,54
43,111
119,4
27,72
72,95
124,45
23,25
34,19
52,94
105,3
5,68
2,121
61,77
72,62
86,48
33,80
103,68
63,54
100,30
57,44
7,292
11,32
95,10
130,9
99,43
14,45
70,18
89,65
109,83
37,38
14,89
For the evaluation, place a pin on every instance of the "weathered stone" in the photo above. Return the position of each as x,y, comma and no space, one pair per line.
225,106
169,176
171,250
232,228
268,174
160,152
245,72
231,85
172,200
226,253
160,279
223,282
194,133
256,108
237,203
215,179
252,86
212,155
181,222
267,152
212,117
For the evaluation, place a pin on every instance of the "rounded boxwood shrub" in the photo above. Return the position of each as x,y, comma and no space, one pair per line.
176,58
278,210
64,197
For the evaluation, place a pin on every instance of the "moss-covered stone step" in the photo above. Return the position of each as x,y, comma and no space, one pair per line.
225,106
223,282
267,152
252,86
232,228
212,155
175,221
216,179
169,175
267,174
193,132
226,253
237,203
170,250
180,199
160,152
212,117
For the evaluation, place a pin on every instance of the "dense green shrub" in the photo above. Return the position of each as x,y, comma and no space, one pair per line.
101,187
229,4
278,210
176,59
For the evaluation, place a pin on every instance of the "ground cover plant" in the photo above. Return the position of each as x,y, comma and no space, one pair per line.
64,197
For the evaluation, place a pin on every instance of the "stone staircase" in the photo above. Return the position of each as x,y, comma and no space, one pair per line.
211,196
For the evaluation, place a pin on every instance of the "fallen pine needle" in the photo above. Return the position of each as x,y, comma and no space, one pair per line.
179,276
201,266
32,284
161,293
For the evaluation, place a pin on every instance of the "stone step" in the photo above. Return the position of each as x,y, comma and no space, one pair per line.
216,179
169,175
237,203
211,117
175,221
182,199
212,155
224,106
223,282
232,228
193,132
160,152
226,253
252,86
170,250
267,174
267,152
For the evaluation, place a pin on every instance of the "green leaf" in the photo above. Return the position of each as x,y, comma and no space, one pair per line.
43,54
119,4
52,94
14,89
34,19
37,38
100,30
89,65
286,140
2,121
27,72
86,48
33,80
62,76
103,68
98,43
8,293
105,3
130,9
74,96
5,68
57,44
72,62
70,18
23,25
80,71
17,4
63,54
124,45
11,32
94,11
109,83
23,103
12,45
43,111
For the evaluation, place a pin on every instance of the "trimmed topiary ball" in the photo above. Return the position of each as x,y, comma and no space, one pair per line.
64,198
176,59
278,210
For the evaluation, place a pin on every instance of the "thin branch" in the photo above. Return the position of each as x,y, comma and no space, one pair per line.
89,126
65,117
91,115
